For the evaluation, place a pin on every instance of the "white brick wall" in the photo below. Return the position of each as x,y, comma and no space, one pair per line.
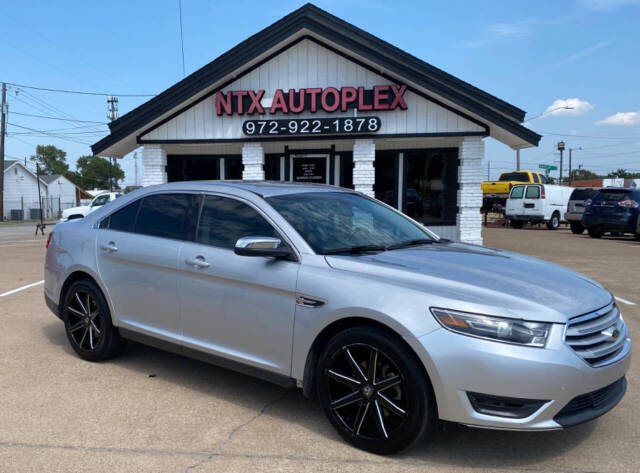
253,161
470,175
154,162
364,174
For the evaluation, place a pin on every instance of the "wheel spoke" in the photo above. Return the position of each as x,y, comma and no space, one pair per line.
94,314
347,400
95,327
362,413
84,335
88,304
354,383
380,420
75,311
388,383
84,309
373,361
75,327
355,367
90,337
391,406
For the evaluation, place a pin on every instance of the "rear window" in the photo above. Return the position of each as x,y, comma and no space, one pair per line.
533,192
517,192
611,196
515,176
583,194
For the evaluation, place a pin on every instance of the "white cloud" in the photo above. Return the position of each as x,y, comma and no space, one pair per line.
587,52
497,31
573,106
607,5
621,118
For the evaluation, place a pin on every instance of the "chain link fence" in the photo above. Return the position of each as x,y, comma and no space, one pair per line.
26,209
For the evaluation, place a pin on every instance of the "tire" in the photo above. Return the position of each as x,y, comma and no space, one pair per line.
517,223
576,227
595,233
554,222
637,236
87,323
385,416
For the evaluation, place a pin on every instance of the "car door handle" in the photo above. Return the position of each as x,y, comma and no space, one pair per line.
110,247
197,262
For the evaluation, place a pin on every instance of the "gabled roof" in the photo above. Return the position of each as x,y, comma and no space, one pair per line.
8,163
50,178
339,32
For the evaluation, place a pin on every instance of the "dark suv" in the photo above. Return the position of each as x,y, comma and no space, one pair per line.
612,210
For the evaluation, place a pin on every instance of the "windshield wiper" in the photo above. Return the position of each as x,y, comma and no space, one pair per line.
354,249
407,244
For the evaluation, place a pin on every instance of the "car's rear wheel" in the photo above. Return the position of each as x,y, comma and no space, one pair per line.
517,223
554,221
595,233
87,322
374,390
577,228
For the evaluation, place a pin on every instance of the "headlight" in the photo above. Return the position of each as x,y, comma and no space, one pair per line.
519,332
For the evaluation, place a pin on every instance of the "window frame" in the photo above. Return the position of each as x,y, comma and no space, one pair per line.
283,235
140,199
514,188
532,186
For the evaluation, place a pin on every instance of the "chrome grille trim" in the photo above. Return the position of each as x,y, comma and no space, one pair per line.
599,338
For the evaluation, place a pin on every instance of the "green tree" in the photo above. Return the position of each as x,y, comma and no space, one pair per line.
93,172
50,159
619,173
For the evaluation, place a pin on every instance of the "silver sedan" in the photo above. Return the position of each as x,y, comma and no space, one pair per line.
387,325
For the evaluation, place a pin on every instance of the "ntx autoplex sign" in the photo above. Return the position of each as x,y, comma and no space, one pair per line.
330,99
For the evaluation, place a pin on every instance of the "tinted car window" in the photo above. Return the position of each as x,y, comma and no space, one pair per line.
611,196
168,216
517,192
533,192
536,178
124,219
583,194
544,179
224,221
101,200
515,176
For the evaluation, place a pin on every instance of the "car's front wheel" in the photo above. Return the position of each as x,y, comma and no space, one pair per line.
374,390
87,322
577,228
595,233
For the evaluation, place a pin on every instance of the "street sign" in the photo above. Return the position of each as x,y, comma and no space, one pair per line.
548,167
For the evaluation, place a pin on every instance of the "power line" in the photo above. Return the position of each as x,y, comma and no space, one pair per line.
181,36
57,118
570,135
64,91
54,135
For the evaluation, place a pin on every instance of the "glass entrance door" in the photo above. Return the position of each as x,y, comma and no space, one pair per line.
312,168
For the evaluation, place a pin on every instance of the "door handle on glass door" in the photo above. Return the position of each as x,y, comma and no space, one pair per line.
110,247
197,262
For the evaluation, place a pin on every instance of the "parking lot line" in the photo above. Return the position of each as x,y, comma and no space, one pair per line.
13,291
624,301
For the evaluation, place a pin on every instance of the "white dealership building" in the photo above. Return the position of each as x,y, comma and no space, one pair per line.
313,98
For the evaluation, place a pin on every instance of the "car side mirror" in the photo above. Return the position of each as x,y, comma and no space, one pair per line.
261,246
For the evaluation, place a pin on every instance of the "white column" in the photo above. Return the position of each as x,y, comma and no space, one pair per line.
154,162
364,174
470,174
253,161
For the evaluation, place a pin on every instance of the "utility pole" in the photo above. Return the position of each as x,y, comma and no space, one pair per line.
3,131
488,170
112,114
570,175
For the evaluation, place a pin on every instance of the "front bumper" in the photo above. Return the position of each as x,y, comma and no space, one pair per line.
459,365
624,223
573,216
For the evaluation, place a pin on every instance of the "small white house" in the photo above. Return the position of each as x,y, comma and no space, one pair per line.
61,194
21,191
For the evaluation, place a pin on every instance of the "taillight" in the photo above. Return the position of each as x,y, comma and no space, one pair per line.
628,203
542,194
49,239
587,202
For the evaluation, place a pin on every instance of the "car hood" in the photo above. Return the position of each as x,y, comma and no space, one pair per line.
483,280
75,210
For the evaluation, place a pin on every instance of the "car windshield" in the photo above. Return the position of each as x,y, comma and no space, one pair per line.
341,222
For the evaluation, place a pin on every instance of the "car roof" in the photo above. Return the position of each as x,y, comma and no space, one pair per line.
262,188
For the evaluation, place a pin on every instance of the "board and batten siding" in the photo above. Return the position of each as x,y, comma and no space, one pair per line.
304,65
21,188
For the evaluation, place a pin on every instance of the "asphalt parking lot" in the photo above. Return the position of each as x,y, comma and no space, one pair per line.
156,412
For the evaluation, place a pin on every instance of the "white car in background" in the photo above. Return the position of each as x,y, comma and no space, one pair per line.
83,210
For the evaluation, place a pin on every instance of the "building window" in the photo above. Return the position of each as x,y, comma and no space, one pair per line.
272,167
233,168
430,191
386,177
346,169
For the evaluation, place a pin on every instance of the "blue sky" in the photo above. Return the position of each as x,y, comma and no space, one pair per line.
530,54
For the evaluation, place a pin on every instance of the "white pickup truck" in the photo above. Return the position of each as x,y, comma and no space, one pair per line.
82,211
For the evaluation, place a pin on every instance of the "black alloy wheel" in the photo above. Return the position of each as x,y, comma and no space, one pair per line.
374,391
88,324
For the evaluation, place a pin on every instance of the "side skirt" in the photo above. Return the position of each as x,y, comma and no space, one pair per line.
277,379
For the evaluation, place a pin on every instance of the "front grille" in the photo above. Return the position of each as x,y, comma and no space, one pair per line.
591,405
597,337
